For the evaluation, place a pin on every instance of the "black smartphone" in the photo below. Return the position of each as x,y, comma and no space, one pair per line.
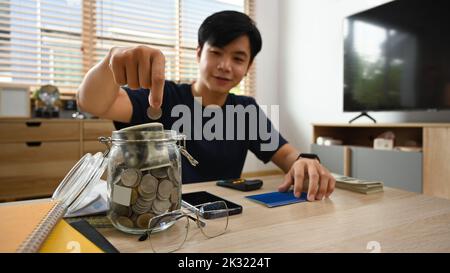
241,184
192,199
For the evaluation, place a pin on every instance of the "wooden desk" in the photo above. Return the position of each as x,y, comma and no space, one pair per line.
399,221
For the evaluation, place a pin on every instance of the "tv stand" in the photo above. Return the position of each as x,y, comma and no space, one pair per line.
362,115
427,171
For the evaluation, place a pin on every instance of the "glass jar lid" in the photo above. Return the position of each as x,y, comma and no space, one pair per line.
80,180
144,136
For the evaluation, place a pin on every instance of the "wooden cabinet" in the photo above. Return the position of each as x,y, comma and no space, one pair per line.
436,163
426,171
92,130
35,171
36,154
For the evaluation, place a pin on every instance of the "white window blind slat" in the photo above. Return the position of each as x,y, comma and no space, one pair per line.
5,59
108,18
27,40
154,4
27,15
123,7
28,64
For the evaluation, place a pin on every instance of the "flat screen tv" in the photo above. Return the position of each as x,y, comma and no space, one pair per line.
397,57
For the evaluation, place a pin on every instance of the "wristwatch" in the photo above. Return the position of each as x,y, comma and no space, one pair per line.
311,156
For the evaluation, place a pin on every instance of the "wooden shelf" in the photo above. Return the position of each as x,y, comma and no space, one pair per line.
434,138
365,134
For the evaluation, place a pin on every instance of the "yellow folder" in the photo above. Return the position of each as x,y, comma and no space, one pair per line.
65,239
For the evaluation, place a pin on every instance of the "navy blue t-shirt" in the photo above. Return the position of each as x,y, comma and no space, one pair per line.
219,158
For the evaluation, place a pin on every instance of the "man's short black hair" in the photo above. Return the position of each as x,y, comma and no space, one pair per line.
221,28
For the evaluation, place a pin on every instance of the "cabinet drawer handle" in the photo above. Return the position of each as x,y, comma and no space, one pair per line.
34,143
33,123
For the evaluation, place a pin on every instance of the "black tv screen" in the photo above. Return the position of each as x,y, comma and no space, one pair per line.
397,57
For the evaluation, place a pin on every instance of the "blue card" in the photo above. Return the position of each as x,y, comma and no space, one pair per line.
275,199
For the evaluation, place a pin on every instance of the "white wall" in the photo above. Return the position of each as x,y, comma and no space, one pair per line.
310,68
267,85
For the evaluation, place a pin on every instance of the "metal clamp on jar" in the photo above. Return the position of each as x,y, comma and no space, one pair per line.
144,174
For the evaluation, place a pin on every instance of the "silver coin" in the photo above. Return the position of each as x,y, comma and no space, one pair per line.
149,184
125,221
160,206
175,196
145,202
141,203
136,209
130,177
153,113
159,173
165,189
148,199
139,209
146,196
143,220
144,207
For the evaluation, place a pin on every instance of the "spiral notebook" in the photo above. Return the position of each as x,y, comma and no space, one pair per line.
24,227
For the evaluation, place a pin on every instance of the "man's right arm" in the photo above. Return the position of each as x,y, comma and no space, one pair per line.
138,67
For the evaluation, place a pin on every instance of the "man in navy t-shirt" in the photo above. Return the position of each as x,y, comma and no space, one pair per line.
221,127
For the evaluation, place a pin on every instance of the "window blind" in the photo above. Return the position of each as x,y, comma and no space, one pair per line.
40,43
57,42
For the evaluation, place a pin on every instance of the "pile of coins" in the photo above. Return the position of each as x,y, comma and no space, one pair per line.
153,192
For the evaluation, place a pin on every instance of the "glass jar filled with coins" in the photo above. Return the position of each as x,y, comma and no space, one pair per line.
144,175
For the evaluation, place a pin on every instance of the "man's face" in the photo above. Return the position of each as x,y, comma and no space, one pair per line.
221,69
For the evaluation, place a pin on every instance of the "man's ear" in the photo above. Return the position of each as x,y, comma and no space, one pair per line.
199,53
248,68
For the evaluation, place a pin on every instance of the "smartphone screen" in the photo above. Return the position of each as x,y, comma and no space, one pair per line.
201,197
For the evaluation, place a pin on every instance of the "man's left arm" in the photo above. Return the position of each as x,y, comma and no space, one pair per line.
318,181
